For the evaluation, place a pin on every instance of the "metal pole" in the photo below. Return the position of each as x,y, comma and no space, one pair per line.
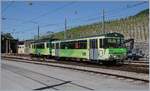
38,32
6,46
103,22
65,32
9,47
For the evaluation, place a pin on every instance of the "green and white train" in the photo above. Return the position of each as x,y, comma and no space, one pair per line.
101,48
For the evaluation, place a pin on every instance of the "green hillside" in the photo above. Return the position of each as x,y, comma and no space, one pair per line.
132,27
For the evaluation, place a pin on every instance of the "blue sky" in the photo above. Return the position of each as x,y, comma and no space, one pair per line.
21,19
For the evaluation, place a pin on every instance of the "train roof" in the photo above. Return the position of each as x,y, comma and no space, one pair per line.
43,41
114,34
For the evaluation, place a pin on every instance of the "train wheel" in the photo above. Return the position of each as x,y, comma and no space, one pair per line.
57,58
114,62
31,56
104,62
44,57
95,61
109,62
62,58
121,62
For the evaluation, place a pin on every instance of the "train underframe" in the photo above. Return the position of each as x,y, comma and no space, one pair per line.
112,61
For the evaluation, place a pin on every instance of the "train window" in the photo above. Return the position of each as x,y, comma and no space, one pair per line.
93,43
112,42
40,46
68,45
48,45
52,45
36,46
63,45
82,44
57,45
101,43
33,46
71,45
77,45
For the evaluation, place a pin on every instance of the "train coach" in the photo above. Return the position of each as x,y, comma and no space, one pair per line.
40,49
104,48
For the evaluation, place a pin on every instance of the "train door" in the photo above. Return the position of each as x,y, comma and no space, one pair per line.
50,47
57,49
93,49
37,49
101,48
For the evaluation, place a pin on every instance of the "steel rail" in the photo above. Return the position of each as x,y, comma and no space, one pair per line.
85,70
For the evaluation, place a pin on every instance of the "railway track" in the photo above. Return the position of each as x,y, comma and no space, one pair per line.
131,67
85,68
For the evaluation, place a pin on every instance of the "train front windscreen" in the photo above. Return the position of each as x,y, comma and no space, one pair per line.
113,42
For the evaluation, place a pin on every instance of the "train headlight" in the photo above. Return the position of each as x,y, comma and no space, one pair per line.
111,56
115,56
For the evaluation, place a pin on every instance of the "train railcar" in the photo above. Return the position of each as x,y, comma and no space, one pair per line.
41,49
28,47
102,48
24,47
21,48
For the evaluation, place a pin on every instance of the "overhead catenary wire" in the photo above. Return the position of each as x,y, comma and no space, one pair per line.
47,25
52,12
125,8
47,13
55,24
80,18
84,20
10,4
